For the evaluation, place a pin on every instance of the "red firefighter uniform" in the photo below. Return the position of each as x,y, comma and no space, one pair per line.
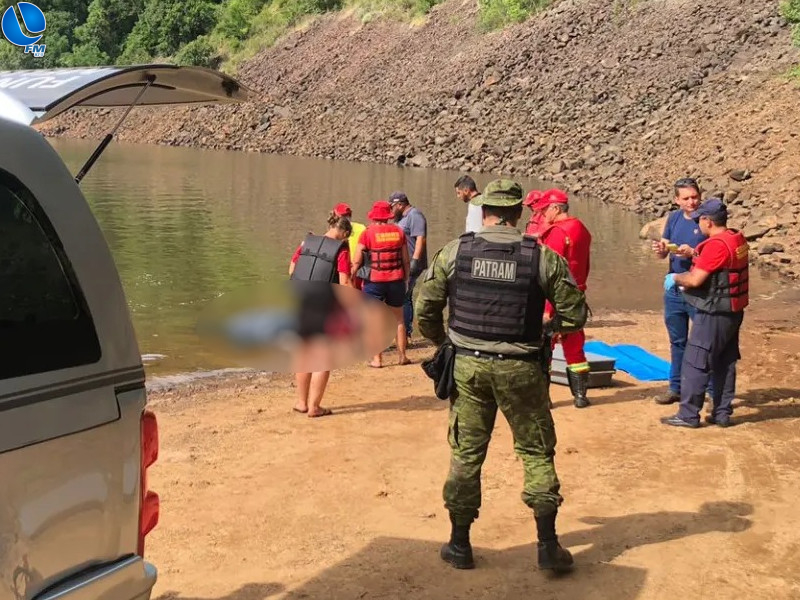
535,225
570,238
536,222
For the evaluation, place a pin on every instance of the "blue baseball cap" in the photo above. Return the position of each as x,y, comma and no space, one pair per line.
713,207
398,197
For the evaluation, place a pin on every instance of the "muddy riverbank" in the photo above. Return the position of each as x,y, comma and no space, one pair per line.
349,506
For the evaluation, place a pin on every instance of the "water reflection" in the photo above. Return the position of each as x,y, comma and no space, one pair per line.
187,225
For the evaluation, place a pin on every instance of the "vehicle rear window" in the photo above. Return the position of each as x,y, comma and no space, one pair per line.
44,321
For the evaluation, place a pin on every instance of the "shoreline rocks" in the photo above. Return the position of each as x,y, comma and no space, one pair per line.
610,101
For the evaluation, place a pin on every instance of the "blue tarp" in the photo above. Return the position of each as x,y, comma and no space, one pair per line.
635,361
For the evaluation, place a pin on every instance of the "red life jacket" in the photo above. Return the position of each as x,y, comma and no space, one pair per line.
578,246
384,243
726,290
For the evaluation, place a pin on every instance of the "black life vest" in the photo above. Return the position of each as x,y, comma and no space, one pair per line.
495,293
318,259
728,289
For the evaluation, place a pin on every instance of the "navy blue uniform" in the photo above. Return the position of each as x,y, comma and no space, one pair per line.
713,346
677,312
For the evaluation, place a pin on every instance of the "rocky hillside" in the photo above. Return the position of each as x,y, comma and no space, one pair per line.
612,99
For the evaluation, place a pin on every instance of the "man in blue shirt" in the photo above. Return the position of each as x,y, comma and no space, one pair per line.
413,223
680,237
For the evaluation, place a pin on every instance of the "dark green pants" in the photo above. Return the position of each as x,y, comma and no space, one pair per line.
518,388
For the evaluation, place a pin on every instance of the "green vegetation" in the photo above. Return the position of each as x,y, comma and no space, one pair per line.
211,33
497,13
790,9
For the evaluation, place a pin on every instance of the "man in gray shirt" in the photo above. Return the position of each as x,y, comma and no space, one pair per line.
466,190
413,223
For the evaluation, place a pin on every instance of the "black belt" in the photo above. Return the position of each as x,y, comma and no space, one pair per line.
496,355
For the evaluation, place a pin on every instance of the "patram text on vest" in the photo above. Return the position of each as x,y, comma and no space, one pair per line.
494,270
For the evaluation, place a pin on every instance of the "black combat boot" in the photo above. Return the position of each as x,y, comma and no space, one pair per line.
458,551
551,555
578,382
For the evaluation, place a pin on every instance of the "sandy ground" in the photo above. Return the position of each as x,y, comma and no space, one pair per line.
260,502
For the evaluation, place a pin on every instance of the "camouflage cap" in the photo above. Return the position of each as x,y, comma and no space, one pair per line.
500,192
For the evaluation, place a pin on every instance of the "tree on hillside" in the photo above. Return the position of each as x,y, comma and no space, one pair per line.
101,38
166,25
63,17
236,18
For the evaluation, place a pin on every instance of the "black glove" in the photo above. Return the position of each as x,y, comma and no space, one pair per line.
550,327
414,268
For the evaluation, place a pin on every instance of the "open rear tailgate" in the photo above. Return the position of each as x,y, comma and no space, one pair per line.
49,92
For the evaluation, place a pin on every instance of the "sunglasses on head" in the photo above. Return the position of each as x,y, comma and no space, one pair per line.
686,182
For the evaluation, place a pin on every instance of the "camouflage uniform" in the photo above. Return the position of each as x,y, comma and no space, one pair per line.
517,387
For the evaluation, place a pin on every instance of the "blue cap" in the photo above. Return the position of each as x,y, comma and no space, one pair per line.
713,207
398,197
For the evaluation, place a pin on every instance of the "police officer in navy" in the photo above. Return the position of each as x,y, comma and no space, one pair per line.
717,287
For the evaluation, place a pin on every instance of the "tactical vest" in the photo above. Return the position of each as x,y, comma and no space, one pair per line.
495,293
578,247
384,243
726,290
318,259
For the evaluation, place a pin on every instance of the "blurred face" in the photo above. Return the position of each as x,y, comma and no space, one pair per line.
688,199
397,209
463,194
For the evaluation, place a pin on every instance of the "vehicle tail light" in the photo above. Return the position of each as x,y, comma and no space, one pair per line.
149,503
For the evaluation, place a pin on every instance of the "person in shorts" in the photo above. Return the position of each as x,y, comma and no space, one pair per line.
386,275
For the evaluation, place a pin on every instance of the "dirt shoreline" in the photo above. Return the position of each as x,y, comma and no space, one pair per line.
258,501
611,100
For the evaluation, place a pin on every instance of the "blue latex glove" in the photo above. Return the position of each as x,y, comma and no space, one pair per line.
669,282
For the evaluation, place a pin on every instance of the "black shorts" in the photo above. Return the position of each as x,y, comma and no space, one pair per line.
393,293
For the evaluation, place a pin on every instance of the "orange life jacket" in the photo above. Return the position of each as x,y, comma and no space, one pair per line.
726,290
384,243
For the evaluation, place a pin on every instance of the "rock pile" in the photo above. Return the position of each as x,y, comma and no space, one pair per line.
610,100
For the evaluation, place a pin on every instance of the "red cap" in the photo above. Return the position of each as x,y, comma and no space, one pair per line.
550,197
381,211
343,210
533,197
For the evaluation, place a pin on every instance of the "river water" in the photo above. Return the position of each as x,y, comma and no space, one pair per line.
187,225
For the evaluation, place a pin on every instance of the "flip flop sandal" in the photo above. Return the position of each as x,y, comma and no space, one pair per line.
295,409
325,412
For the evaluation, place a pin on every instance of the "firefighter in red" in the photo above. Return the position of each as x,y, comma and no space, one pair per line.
717,286
535,223
568,236
386,269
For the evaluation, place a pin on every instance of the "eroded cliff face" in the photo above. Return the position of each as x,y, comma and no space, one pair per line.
612,100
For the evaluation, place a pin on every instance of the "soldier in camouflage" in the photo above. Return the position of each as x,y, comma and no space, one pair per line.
494,284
